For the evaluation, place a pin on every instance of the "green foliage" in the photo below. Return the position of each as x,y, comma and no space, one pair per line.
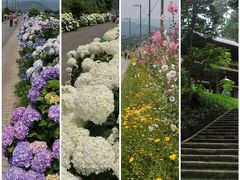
6,10
205,62
79,7
21,91
198,16
231,28
33,12
203,108
227,86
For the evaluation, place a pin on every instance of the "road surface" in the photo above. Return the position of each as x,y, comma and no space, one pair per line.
71,41
9,77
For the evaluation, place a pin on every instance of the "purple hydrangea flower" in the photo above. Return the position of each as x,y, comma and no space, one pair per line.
22,155
30,115
38,64
31,175
55,149
21,130
33,95
8,136
50,73
42,161
17,114
38,83
14,173
38,146
54,113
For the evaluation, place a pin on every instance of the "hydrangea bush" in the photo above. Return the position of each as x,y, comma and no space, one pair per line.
90,138
31,140
71,24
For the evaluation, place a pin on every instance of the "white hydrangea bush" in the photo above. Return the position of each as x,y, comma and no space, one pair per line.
94,18
90,137
69,23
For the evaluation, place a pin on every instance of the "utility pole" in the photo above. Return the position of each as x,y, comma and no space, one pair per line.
7,3
140,6
12,5
161,15
149,19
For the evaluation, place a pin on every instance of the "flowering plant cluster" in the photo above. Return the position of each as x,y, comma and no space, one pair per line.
90,138
71,24
150,109
31,140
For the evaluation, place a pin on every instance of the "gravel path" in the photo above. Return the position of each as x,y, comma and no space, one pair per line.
9,79
83,36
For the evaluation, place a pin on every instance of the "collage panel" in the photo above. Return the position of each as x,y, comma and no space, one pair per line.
30,90
150,90
209,89
90,90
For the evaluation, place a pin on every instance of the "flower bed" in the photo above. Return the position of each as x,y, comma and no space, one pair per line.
70,24
150,109
90,111
31,140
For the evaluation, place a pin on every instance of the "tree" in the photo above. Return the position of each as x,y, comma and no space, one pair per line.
206,62
198,16
230,30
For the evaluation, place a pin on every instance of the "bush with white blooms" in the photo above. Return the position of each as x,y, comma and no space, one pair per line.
90,137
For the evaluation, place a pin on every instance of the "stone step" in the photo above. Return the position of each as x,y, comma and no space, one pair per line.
225,123
220,158
214,140
220,130
205,151
218,133
216,137
209,165
222,127
210,145
216,174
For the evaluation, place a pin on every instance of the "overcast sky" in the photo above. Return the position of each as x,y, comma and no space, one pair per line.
129,11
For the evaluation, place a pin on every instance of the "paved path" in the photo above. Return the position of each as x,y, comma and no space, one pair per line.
9,80
124,66
7,31
212,153
83,36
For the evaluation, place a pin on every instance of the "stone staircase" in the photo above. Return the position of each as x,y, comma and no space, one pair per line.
212,153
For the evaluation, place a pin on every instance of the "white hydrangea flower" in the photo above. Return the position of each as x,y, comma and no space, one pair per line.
114,136
72,62
164,67
94,103
88,64
93,155
111,35
72,54
83,79
116,168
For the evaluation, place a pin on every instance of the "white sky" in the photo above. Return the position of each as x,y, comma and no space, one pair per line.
129,11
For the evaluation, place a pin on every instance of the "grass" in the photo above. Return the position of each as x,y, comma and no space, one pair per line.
149,145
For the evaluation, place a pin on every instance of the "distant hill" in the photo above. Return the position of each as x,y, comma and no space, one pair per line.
135,27
40,4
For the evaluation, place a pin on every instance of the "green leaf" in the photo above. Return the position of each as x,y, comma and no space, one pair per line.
53,84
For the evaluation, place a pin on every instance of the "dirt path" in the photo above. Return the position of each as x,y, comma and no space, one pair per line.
83,36
9,80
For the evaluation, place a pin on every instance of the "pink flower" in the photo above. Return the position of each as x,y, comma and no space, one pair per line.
157,37
177,26
143,62
170,91
172,8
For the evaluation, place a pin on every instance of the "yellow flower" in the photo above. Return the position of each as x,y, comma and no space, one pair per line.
173,157
131,159
157,140
54,99
158,178
167,138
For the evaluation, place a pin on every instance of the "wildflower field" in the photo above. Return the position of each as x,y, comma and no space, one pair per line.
150,107
149,133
